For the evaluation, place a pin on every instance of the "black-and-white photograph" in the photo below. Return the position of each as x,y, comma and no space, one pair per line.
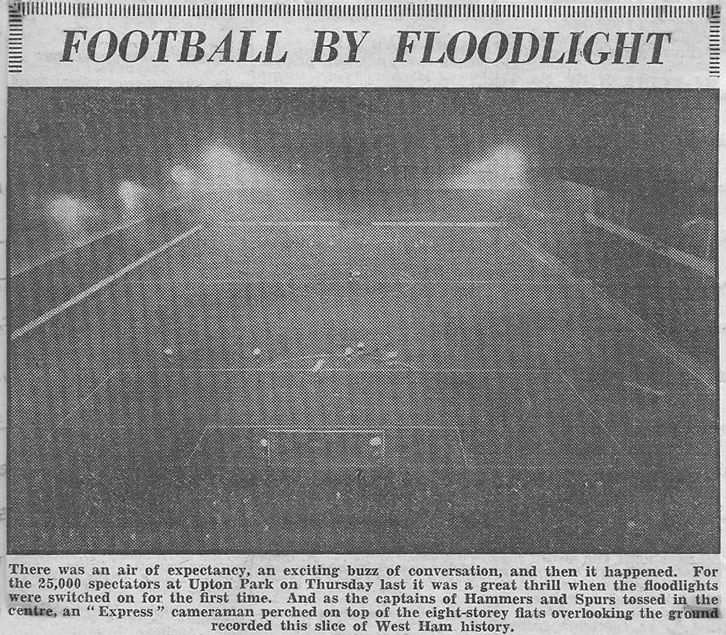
362,321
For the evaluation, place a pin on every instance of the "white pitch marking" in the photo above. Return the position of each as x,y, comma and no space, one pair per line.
693,262
406,285
90,241
433,223
464,456
645,389
85,400
99,285
597,416
372,432
325,430
633,321
196,447
482,224
278,224
361,369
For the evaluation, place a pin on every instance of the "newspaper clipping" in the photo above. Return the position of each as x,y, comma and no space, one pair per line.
361,318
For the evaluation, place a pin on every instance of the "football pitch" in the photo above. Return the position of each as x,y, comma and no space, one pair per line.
316,386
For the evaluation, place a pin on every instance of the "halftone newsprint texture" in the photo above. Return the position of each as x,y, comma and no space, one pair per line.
392,287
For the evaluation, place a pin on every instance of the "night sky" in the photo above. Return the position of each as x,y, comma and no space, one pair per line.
657,147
